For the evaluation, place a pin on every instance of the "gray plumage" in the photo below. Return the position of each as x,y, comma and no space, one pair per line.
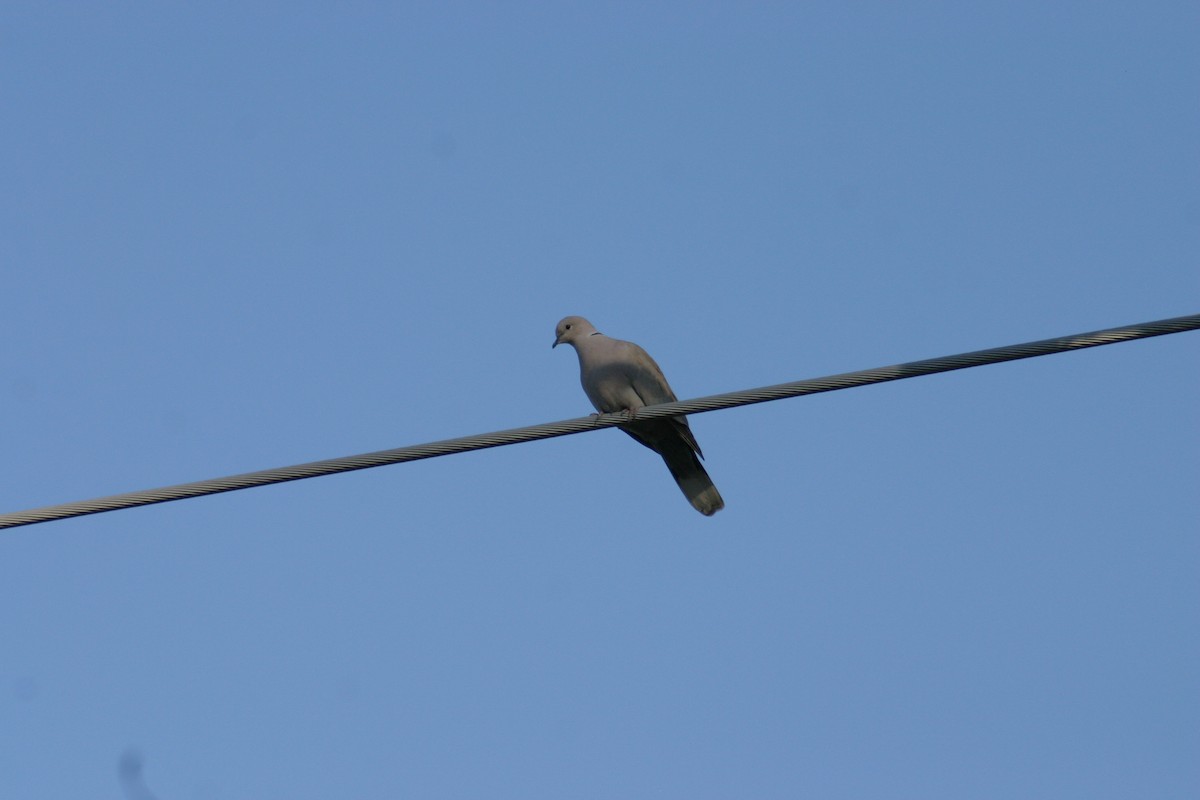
620,376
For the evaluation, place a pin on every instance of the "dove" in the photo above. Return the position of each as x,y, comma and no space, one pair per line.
620,376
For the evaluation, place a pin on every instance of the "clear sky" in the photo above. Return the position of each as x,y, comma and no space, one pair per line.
244,235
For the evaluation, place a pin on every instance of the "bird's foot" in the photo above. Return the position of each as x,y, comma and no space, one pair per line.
628,413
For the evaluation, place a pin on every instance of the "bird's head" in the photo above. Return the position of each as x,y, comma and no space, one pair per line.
571,329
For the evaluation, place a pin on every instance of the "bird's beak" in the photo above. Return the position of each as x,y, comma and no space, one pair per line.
557,342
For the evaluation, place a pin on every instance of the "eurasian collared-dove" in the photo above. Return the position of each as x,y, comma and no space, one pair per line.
620,376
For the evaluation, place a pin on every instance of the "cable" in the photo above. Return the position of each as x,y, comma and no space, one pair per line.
548,430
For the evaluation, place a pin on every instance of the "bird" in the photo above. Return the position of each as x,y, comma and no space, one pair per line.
620,376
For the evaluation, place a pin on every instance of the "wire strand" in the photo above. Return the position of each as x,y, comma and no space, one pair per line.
548,430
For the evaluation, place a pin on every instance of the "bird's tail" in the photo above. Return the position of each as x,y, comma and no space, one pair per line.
693,480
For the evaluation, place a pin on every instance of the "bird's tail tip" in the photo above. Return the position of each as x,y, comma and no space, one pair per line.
707,502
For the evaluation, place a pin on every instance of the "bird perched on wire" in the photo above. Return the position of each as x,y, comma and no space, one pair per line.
620,376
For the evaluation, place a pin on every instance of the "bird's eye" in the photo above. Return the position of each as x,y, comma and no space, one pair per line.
568,327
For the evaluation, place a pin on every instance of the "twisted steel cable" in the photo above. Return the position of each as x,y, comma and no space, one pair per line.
548,430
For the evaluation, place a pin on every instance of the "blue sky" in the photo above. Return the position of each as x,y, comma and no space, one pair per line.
239,236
